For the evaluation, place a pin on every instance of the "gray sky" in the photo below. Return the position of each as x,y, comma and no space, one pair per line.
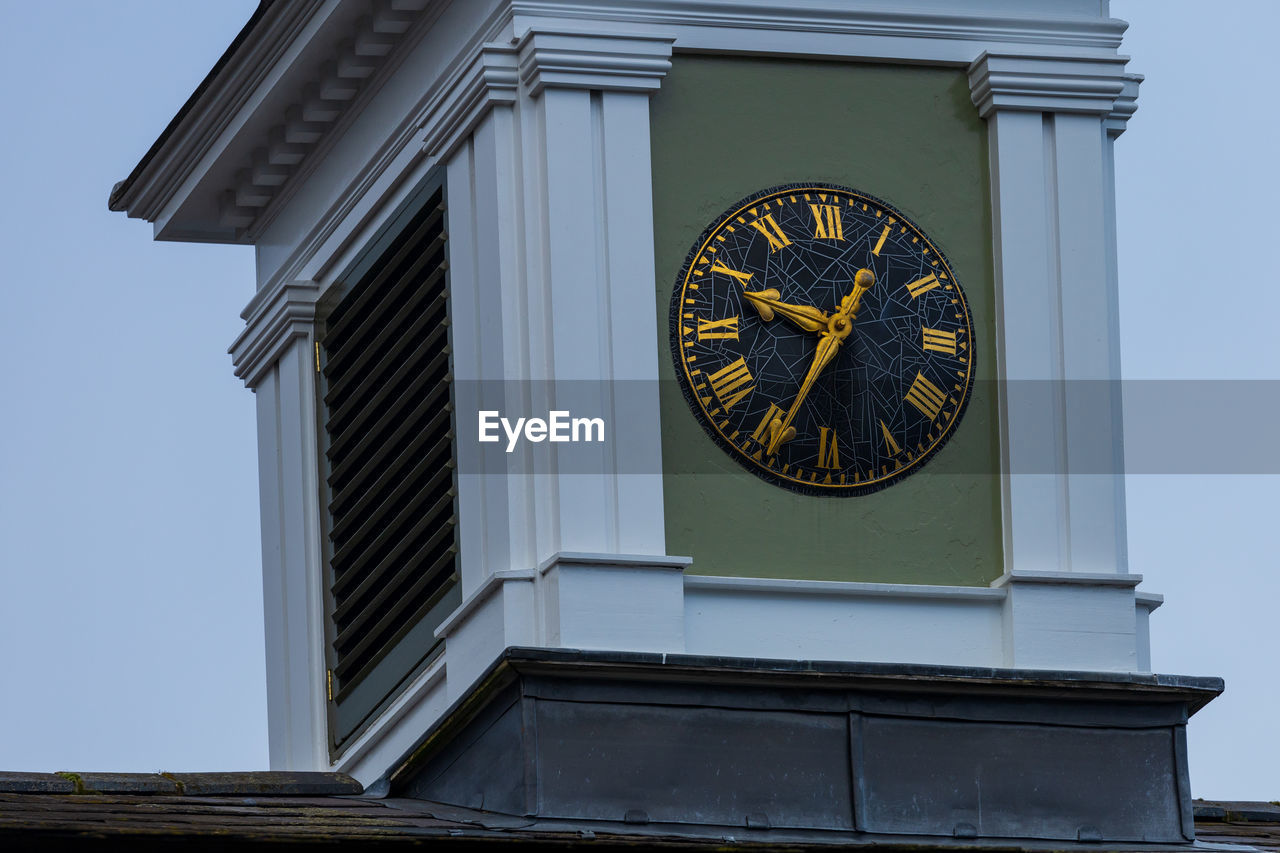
131,605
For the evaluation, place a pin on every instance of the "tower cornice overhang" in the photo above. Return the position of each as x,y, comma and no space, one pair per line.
300,73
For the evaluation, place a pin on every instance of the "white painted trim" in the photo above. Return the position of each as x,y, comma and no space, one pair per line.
602,560
1069,578
490,585
490,79
220,106
1003,81
1125,106
843,589
954,32
273,319
912,31
606,61
384,725
1148,600
293,594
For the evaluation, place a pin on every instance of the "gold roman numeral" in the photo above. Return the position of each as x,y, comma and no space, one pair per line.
884,235
923,285
828,449
718,330
743,277
940,341
761,434
727,383
889,443
925,396
826,218
769,228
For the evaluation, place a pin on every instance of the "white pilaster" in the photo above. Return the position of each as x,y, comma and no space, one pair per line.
1050,121
551,275
1071,603
275,357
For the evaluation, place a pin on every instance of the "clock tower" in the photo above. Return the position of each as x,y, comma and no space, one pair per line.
695,417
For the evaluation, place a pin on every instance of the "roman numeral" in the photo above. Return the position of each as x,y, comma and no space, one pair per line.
940,341
769,228
761,434
884,235
718,330
923,285
925,396
743,277
889,443
727,383
828,449
826,218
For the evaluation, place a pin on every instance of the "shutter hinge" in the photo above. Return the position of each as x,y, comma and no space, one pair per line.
317,356
328,677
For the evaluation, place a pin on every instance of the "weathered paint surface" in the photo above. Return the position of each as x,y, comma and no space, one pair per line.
723,128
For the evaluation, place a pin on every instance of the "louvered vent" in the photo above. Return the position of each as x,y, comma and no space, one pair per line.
390,458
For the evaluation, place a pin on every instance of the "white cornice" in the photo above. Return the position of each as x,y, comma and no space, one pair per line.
837,16
1126,105
341,85
304,71
489,78
1069,84
608,61
214,110
273,318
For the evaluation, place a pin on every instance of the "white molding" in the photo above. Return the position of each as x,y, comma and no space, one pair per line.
218,107
626,561
1063,84
490,585
607,61
385,739
273,318
843,589
372,175
1148,600
490,78
293,586
1066,620
890,23
1067,578
1125,106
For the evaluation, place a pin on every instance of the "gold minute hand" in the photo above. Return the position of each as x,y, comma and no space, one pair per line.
839,326
804,316
781,430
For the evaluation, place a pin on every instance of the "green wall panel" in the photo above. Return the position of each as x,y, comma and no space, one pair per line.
726,127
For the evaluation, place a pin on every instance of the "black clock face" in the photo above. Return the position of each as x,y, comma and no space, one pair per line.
822,339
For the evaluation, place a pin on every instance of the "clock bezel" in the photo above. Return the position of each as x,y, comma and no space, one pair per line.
736,453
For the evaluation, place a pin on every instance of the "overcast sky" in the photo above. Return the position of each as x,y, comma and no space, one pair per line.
131,601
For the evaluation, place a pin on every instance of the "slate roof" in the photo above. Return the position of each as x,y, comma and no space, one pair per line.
298,811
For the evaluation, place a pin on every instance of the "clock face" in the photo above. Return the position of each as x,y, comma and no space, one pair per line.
822,339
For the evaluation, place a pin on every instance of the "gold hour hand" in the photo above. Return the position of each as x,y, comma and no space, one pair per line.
806,317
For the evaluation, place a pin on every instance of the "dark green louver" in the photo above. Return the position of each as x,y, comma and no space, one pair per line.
389,466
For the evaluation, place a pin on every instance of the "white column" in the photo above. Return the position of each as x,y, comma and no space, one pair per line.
1052,121
274,355
551,275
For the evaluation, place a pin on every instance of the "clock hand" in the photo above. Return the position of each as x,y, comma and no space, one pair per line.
805,317
863,281
838,328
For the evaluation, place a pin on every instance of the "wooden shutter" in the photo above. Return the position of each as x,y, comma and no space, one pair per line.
390,467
